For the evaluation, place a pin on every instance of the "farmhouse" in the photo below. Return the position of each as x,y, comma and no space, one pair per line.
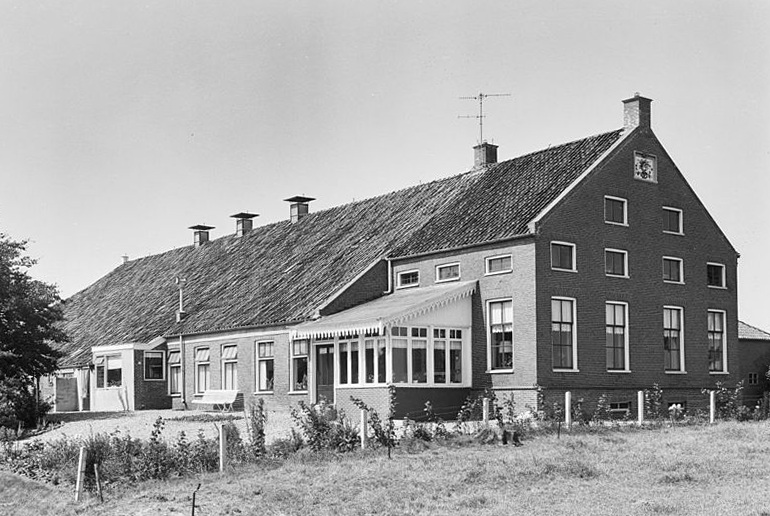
755,361
590,266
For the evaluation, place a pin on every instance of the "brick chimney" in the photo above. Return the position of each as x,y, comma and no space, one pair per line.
243,222
484,154
200,234
637,112
299,207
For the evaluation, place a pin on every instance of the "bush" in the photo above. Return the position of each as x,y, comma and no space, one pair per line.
19,407
653,403
384,432
256,421
323,427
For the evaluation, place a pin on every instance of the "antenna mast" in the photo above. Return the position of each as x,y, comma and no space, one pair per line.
480,97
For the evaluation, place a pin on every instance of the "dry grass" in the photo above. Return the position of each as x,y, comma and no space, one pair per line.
694,470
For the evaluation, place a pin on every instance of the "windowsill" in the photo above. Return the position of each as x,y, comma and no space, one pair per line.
562,270
429,385
113,388
673,282
297,392
621,224
672,233
676,372
154,379
719,372
499,371
399,287
717,287
618,371
175,395
261,393
617,276
566,370
497,273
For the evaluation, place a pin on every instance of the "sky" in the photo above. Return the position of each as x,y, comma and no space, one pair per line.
124,123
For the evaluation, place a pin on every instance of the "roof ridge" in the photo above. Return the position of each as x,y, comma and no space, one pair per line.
560,145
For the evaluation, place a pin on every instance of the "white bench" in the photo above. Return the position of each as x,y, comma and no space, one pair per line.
224,399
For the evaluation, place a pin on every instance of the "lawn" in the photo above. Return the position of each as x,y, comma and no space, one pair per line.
682,470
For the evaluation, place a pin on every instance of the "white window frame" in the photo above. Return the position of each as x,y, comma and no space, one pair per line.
682,368
106,359
487,330
724,341
196,363
681,269
626,274
681,221
574,368
723,277
625,210
292,357
626,339
399,283
444,266
163,368
223,361
175,365
503,271
574,256
258,360
360,346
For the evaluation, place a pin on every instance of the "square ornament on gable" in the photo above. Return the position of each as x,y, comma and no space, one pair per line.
645,167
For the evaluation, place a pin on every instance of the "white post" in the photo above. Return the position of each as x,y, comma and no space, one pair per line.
364,428
222,448
568,409
712,406
81,473
485,410
640,407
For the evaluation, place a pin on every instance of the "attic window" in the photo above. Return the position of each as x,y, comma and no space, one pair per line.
408,279
448,272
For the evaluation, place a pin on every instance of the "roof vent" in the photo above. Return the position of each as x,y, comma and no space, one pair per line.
200,234
243,222
484,154
637,112
299,207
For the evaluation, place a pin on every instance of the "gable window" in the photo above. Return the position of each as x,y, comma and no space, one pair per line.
672,220
616,341
408,279
715,275
563,347
616,263
202,370
499,264
265,366
615,210
672,270
500,320
299,365
109,371
753,378
174,372
563,256
230,368
673,342
717,346
448,272
153,365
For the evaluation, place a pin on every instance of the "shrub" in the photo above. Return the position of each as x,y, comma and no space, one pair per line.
653,402
602,412
384,432
729,402
324,428
256,421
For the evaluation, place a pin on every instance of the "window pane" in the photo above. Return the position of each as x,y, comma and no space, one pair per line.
100,376
369,360
419,361
456,361
447,272
561,256
381,361
354,362
230,376
439,361
399,360
499,264
114,371
299,369
614,211
174,378
343,362
153,365
265,375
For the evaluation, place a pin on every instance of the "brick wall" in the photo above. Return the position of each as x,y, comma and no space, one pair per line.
371,285
755,358
149,394
410,401
579,219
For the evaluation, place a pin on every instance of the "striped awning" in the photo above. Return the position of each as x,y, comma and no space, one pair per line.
390,310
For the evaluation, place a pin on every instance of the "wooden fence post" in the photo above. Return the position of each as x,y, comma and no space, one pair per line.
485,410
712,406
568,409
640,407
364,428
81,473
222,448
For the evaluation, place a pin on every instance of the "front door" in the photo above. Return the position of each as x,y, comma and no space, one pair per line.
324,359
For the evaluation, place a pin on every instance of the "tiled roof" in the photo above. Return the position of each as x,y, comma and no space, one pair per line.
748,332
281,273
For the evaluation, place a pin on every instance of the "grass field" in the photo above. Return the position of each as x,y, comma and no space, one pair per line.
683,470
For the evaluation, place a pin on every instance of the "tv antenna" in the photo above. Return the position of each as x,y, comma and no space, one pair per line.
480,97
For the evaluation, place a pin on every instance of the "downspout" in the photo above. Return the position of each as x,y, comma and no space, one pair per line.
390,276
180,314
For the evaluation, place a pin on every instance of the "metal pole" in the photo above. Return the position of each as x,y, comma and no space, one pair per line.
568,409
640,407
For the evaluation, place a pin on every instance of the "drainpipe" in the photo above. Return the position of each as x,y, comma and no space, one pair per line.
390,276
180,314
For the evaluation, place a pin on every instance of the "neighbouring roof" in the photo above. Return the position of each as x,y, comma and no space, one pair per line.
749,332
281,273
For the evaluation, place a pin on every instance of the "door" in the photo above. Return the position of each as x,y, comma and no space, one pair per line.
324,359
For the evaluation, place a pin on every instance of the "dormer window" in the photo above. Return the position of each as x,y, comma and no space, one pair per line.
408,279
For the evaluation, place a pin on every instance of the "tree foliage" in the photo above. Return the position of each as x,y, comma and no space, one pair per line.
29,313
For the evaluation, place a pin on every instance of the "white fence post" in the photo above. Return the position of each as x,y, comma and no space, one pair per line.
485,410
222,448
712,406
640,407
81,473
568,409
364,428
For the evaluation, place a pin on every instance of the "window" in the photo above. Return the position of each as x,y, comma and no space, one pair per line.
500,320
753,378
620,408
299,365
153,365
673,343
202,370
615,210
174,372
563,256
563,333
265,366
448,272
408,279
616,263
672,221
109,371
672,270
419,355
374,360
400,351
715,275
717,347
230,368
616,340
499,264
